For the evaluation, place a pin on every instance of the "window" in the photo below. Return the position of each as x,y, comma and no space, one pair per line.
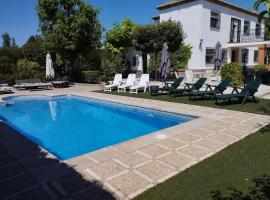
258,30
224,56
245,54
246,27
210,56
256,56
215,20
134,61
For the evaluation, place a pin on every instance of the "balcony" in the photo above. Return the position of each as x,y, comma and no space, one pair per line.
250,36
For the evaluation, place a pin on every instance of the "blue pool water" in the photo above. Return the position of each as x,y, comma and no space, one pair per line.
68,126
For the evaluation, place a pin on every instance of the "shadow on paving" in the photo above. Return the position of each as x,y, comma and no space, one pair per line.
27,172
259,191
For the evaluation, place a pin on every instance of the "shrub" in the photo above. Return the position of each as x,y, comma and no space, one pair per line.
233,73
28,69
112,63
91,76
259,67
180,57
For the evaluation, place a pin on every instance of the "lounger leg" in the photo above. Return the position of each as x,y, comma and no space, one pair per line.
254,99
244,100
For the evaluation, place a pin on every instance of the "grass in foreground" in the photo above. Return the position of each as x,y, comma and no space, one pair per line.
263,107
240,166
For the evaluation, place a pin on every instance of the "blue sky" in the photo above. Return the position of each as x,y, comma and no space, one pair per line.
19,18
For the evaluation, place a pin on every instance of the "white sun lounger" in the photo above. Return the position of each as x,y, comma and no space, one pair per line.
143,84
113,84
5,89
131,79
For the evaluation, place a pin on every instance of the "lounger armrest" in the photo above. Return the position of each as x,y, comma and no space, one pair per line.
122,82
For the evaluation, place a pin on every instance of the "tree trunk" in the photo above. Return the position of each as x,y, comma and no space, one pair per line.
144,57
156,67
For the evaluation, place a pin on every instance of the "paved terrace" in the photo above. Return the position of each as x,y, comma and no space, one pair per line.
124,170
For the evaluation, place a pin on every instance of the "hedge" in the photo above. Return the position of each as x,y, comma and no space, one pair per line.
259,67
233,73
91,76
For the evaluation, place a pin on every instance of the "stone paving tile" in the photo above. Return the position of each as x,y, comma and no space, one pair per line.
187,137
246,128
133,159
7,159
156,171
195,152
154,151
10,170
81,162
34,194
148,139
234,132
105,154
172,144
210,144
129,146
233,120
12,186
72,183
223,138
130,184
177,160
213,127
202,132
3,150
97,192
106,169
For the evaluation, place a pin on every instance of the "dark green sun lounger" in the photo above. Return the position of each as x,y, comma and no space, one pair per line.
188,88
241,94
211,90
167,87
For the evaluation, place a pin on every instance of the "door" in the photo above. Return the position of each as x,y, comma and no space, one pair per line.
235,30
235,55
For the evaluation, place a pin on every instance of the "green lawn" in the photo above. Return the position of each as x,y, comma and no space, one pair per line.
263,107
235,166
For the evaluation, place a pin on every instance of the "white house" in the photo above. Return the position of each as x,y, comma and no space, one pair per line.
208,21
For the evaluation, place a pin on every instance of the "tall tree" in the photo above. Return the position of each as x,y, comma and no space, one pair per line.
149,39
264,15
69,28
120,38
34,50
6,40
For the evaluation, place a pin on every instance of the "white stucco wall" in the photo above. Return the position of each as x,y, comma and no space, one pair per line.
190,15
195,18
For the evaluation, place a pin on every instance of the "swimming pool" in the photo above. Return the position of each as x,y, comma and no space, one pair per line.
69,126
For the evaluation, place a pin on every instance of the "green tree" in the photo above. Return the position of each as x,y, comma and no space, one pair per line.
149,39
28,69
264,15
69,28
112,63
33,50
6,40
120,38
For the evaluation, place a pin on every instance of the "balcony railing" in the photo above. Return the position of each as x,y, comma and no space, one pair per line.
254,35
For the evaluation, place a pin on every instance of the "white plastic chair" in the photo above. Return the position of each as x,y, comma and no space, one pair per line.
131,80
143,84
113,84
